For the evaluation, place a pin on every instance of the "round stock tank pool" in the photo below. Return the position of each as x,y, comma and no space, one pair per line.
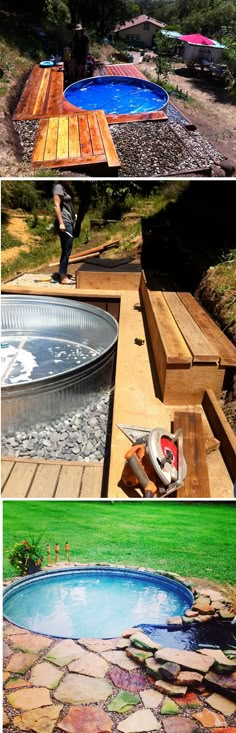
117,95
93,602
55,353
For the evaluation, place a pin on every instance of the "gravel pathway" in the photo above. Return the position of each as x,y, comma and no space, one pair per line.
76,436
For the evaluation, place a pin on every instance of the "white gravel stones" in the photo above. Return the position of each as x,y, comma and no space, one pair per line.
78,435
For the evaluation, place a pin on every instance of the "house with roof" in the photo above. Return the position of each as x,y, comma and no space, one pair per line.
138,32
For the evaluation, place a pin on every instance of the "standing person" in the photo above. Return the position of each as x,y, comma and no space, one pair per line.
64,225
79,52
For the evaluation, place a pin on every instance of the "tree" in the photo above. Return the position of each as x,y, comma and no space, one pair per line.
103,15
230,58
164,48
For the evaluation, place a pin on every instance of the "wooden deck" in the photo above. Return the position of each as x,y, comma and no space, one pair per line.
75,140
42,97
137,401
23,478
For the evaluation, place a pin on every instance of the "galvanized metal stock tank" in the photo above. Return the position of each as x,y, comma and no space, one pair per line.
56,354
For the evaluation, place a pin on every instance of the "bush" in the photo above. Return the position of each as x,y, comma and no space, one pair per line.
24,553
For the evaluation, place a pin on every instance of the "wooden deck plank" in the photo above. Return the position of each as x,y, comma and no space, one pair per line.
74,141
160,319
63,138
198,344
50,151
19,481
135,401
113,119
110,150
40,143
55,93
91,482
32,89
6,467
29,93
217,338
44,482
96,137
40,100
85,139
69,482
196,484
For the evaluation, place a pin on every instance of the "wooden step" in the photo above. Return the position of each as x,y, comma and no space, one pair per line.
196,484
220,342
42,95
74,140
201,349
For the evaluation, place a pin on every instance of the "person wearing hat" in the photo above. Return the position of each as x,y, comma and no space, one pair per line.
79,52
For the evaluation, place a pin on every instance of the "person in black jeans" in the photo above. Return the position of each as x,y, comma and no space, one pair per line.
79,52
64,225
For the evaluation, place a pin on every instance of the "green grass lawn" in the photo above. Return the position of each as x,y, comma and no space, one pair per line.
193,539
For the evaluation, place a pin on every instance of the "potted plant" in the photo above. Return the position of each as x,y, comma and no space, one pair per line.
26,556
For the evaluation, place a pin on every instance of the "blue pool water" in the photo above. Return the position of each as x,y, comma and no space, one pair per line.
116,95
92,602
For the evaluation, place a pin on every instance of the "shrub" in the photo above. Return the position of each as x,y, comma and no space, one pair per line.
24,553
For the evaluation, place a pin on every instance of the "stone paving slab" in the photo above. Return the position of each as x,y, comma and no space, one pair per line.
179,724
6,650
5,719
188,660
151,698
64,652
46,675
123,702
218,702
99,645
21,662
208,718
29,699
90,664
86,720
30,642
79,689
120,659
138,722
41,720
131,682
16,682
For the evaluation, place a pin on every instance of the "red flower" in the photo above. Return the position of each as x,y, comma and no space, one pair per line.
26,544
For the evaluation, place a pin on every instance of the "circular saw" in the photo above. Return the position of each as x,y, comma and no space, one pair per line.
155,462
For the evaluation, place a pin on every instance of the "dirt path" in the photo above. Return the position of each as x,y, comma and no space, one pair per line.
17,227
211,110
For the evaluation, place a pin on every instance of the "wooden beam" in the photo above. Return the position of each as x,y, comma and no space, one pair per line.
221,430
196,484
197,342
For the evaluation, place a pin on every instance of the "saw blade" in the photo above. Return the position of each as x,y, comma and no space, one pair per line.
133,433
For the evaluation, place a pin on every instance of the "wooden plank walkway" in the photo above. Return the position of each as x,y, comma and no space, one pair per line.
23,478
75,140
42,95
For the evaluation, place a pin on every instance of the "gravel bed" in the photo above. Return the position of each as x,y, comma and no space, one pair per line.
174,115
78,435
26,131
205,154
150,149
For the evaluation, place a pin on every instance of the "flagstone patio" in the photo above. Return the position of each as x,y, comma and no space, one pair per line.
128,684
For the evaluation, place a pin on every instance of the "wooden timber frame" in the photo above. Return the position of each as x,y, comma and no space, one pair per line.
136,402
190,352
